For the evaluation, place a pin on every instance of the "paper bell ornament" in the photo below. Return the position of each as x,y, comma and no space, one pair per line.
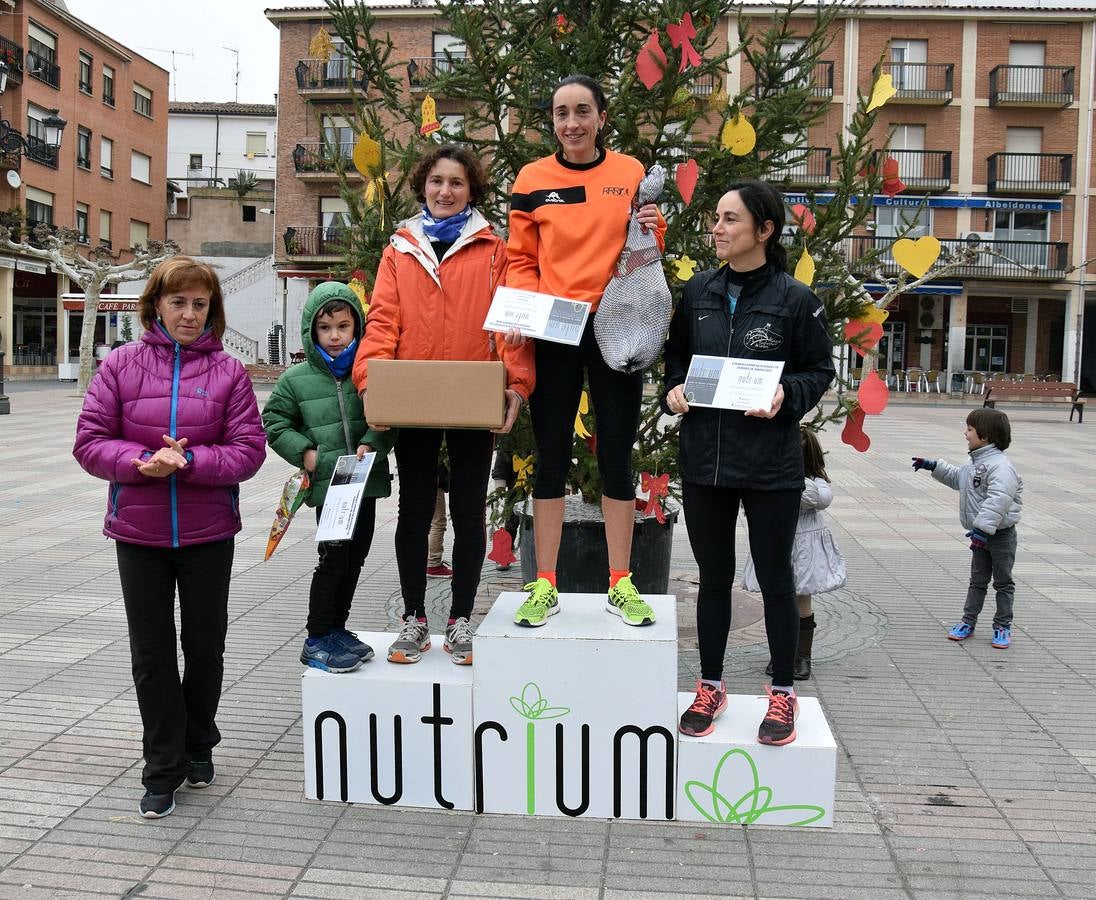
430,122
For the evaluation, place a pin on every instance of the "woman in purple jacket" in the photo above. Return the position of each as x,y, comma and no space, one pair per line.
172,423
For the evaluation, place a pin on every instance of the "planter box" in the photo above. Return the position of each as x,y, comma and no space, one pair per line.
583,562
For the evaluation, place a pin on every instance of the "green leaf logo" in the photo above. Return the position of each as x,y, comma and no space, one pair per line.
531,705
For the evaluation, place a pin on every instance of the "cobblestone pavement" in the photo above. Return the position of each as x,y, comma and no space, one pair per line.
962,770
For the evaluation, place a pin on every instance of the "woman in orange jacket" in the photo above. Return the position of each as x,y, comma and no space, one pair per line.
430,299
569,216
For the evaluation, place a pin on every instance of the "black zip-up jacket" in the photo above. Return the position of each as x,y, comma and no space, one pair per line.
776,318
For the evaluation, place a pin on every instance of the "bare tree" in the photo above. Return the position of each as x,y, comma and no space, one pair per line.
90,272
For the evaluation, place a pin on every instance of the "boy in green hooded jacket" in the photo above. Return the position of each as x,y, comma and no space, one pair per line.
313,417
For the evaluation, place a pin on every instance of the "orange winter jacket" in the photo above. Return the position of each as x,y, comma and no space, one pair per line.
568,224
423,309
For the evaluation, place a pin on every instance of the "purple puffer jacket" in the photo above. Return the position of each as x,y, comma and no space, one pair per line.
156,387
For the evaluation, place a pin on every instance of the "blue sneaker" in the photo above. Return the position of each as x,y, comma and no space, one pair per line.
1002,637
348,640
328,654
961,632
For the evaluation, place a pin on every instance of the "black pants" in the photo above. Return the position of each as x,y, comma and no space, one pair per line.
469,470
616,399
177,715
710,516
336,575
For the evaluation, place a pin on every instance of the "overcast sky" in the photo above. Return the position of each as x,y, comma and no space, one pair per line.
198,31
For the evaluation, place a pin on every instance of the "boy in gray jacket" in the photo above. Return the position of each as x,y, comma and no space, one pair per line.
989,507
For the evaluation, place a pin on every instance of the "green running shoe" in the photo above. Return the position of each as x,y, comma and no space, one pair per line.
624,601
542,602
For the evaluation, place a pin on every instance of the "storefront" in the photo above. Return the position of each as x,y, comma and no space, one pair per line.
116,321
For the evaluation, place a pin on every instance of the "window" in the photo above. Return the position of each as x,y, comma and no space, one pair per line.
85,72
108,85
447,44
891,221
140,167
1026,61
908,58
83,147
249,213
37,148
138,233
255,144
907,145
334,213
195,161
1023,145
39,207
1030,230
104,227
41,61
986,348
82,222
142,100
338,135
106,153
451,125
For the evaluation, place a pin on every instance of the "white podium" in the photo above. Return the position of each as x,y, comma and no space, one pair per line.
578,717
390,734
727,777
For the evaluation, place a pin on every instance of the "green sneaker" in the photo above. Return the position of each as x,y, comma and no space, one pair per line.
624,601
542,602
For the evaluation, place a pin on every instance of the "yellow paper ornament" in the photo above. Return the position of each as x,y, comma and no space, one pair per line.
916,257
321,45
430,122
738,135
684,268
523,470
583,408
718,99
872,313
804,269
881,92
367,156
359,291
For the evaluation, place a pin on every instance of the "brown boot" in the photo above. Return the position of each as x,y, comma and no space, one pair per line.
802,669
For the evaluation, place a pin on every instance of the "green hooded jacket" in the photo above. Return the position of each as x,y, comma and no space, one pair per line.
305,413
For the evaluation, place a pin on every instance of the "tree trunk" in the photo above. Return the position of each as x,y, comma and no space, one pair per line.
87,335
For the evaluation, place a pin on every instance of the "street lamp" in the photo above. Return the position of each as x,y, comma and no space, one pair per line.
5,404
13,142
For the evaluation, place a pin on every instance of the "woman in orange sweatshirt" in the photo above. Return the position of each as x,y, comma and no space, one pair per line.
568,221
430,299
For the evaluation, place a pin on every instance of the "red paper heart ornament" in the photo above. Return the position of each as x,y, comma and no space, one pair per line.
873,394
862,336
803,217
853,432
686,177
651,62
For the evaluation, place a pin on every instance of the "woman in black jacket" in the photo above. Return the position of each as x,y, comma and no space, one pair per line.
749,308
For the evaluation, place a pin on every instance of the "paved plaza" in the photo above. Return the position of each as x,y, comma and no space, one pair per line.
962,770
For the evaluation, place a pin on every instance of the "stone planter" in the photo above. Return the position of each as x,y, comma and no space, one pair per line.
583,562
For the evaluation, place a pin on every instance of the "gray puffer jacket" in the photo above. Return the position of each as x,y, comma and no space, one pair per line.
990,490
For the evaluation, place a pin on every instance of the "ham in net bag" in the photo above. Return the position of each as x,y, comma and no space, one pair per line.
634,312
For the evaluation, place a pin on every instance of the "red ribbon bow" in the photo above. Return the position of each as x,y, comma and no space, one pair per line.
680,35
656,488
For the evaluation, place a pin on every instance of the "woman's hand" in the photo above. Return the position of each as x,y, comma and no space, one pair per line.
515,338
647,216
676,402
513,407
310,461
165,461
371,425
778,401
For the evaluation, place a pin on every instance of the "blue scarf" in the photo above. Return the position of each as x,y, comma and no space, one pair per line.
445,230
340,365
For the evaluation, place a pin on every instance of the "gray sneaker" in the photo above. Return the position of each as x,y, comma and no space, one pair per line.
458,642
411,643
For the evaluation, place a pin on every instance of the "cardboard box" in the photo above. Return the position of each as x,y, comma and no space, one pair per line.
429,393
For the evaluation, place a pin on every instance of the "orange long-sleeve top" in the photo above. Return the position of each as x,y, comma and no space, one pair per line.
568,224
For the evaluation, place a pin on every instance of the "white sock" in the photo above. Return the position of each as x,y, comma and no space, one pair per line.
787,690
715,685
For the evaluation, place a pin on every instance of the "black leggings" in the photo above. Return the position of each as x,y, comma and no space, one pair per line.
616,399
336,575
469,470
710,516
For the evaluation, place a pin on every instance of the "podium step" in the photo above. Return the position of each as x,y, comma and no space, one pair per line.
727,777
390,734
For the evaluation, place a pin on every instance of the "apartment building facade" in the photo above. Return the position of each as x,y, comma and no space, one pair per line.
107,180
991,126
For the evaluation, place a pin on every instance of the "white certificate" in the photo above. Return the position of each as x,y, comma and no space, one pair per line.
537,315
344,497
731,382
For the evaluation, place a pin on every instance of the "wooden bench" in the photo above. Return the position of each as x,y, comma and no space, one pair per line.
1036,392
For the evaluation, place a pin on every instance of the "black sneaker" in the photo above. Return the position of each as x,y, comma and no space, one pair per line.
350,641
778,726
201,774
156,806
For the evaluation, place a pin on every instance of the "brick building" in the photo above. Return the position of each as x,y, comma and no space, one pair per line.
992,123
107,180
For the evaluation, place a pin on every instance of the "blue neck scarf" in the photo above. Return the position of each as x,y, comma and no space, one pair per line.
445,230
340,365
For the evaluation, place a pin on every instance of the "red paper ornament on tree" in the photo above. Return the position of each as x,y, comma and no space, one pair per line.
853,432
872,394
686,177
862,336
892,184
502,548
656,488
651,62
680,36
803,217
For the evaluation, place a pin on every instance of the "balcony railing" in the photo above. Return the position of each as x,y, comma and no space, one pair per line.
332,77
803,167
41,68
1031,86
820,81
421,70
41,152
1032,260
921,170
705,85
925,83
321,158
315,240
1030,173
12,54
